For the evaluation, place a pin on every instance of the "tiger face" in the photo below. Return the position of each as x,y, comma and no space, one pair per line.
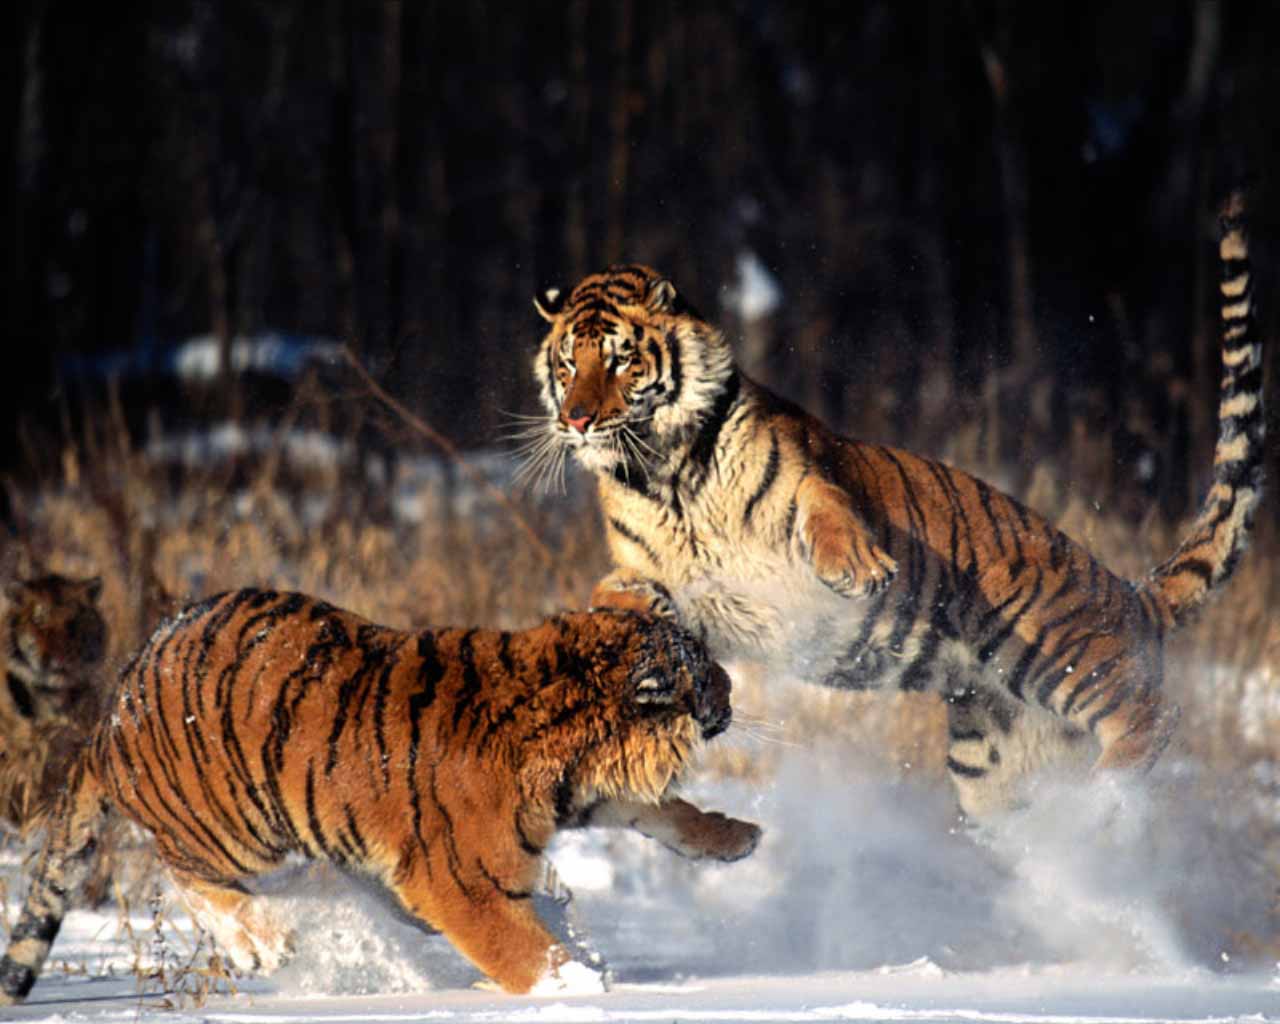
626,368
56,642
48,700
655,696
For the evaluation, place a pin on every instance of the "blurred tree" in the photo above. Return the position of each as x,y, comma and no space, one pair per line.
986,221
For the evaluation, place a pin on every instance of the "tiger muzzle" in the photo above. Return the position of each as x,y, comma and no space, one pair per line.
714,712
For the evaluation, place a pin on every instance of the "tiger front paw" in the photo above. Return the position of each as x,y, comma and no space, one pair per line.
837,543
727,839
861,575
697,834
630,592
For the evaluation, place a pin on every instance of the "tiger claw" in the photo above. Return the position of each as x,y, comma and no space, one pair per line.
867,582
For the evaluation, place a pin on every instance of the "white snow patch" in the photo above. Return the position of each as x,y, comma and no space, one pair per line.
571,979
756,293
200,358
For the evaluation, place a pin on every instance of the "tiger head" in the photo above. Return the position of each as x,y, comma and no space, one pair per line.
635,699
56,642
626,369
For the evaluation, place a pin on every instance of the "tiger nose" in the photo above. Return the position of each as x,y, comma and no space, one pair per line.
579,419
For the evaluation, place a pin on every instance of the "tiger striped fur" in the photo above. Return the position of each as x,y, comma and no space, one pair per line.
861,566
52,659
439,764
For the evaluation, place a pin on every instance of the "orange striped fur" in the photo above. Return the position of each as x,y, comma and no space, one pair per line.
861,566
438,764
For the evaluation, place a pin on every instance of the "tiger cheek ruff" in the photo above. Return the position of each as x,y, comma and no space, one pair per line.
437,763
859,566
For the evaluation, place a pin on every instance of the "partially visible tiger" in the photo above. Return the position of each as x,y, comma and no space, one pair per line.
439,764
52,661
861,566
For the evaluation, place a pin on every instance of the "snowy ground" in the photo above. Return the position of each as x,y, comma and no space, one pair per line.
864,903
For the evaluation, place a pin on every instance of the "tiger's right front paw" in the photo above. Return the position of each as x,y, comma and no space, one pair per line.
630,592
727,839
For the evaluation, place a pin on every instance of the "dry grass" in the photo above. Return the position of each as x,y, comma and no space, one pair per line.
159,536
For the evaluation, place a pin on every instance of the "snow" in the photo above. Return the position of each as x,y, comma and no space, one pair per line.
1099,904
756,293
271,353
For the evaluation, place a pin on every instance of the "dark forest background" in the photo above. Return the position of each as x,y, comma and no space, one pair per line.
990,222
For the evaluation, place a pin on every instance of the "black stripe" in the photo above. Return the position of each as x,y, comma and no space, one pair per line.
907,611
379,717
654,351
1123,690
767,480
43,927
21,696
984,497
703,448
966,735
1010,624
430,672
964,770
470,678
629,534
1094,679
16,979
353,692
492,879
1068,658
917,675
313,819
453,861
677,366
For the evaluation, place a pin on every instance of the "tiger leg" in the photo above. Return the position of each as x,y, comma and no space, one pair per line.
835,541
680,826
69,855
238,923
676,824
496,929
997,745
633,591
1135,732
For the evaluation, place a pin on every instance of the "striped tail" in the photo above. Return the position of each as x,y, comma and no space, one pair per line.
1208,554
70,851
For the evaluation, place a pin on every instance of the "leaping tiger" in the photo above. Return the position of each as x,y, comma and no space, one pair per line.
861,566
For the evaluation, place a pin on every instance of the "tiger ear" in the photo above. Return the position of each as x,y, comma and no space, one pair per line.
548,303
661,297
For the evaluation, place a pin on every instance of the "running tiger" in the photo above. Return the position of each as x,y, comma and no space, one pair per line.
51,660
861,566
437,763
